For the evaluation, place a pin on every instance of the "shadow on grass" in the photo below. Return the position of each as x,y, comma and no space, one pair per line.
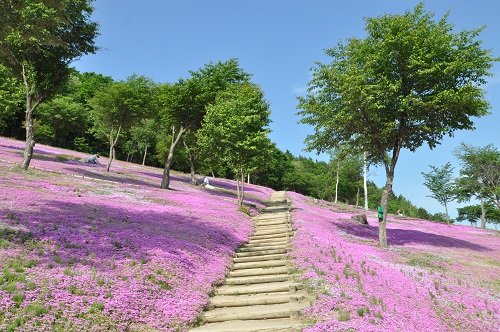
110,177
406,236
100,233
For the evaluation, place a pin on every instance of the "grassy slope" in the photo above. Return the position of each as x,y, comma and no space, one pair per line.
117,253
432,278
79,254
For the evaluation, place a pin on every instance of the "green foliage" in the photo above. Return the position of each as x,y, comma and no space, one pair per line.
40,39
472,214
479,173
11,97
410,82
378,91
234,131
440,182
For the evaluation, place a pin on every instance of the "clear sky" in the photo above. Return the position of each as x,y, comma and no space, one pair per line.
278,42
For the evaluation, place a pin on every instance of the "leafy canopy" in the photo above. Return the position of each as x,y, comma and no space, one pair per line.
234,131
411,81
440,182
39,38
479,173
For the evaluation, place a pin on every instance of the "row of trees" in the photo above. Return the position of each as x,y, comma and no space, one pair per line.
479,178
38,41
129,120
411,81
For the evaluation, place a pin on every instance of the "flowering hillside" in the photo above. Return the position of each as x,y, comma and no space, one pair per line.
433,278
82,249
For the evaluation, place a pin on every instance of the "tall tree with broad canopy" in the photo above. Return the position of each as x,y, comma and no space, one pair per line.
234,131
38,40
119,106
410,82
440,182
184,103
479,176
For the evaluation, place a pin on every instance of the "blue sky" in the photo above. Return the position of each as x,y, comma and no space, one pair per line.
278,42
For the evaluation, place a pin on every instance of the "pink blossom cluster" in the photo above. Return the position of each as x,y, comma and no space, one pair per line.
433,277
108,251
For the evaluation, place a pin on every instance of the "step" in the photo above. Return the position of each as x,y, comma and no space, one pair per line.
262,252
274,216
258,258
252,265
269,287
270,242
266,244
222,301
269,232
271,222
282,228
256,312
253,248
256,279
260,271
270,236
266,325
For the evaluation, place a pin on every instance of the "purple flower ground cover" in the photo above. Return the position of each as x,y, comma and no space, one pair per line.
433,277
80,254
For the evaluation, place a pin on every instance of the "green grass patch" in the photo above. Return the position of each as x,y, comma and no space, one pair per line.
426,260
343,315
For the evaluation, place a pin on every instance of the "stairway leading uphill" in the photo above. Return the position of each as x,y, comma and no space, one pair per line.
259,293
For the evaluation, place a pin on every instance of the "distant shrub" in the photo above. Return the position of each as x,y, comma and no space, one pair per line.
344,315
245,210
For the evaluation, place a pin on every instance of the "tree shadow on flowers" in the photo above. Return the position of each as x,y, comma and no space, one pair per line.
100,234
402,237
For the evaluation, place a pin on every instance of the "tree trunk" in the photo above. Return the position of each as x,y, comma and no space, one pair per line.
248,178
238,193
242,193
242,186
30,135
382,230
483,215
447,215
110,159
165,181
145,153
357,198
128,156
213,175
112,143
365,186
191,162
337,184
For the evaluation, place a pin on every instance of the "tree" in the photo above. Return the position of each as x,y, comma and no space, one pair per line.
479,175
184,103
38,40
118,106
272,172
234,131
440,182
411,81
473,213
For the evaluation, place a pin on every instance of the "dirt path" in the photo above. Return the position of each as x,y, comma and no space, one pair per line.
259,293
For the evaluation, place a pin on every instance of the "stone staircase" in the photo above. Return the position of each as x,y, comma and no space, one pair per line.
259,293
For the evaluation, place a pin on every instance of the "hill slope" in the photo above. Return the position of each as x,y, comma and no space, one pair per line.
82,249
433,277
83,254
